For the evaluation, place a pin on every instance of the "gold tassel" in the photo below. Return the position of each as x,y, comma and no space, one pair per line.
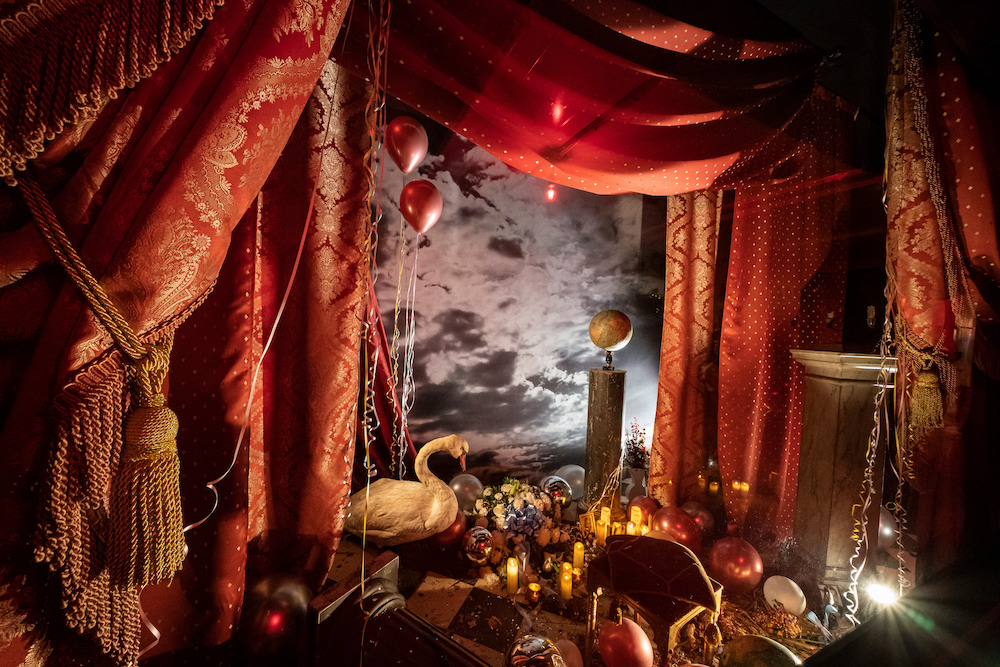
927,404
147,531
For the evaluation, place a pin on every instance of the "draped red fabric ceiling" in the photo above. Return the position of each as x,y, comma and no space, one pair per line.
608,97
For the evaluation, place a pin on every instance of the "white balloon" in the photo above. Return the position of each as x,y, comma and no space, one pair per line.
783,592
570,653
575,475
467,489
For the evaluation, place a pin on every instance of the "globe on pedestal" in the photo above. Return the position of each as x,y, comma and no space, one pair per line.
610,330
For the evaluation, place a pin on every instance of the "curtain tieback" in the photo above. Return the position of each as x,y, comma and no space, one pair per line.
147,526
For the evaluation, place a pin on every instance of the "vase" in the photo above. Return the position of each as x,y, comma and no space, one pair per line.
638,487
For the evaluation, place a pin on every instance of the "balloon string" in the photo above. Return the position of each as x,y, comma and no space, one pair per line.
860,510
409,388
398,426
149,626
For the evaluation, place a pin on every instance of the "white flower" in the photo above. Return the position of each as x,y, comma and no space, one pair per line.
498,510
498,495
498,523
479,503
518,504
505,488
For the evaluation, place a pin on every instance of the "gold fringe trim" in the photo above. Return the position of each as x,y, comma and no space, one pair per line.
62,59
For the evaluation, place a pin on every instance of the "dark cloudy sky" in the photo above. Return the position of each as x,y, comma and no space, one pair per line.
507,284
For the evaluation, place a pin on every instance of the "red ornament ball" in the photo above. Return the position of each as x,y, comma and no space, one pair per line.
624,645
646,505
735,564
679,525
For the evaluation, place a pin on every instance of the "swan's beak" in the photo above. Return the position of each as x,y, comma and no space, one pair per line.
461,459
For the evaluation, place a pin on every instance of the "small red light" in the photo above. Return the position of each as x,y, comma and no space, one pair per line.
275,622
550,193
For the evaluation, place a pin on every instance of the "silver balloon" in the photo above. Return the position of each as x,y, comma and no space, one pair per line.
477,545
558,488
467,489
575,476
758,651
533,651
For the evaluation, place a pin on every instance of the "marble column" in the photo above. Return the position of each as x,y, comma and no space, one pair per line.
838,415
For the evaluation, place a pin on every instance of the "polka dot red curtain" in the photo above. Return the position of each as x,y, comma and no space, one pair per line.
607,97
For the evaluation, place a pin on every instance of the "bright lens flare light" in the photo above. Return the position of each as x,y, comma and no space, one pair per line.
550,193
881,594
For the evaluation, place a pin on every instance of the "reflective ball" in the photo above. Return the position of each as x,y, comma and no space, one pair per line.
756,650
701,516
274,624
679,525
533,651
477,544
558,488
467,489
610,330
576,476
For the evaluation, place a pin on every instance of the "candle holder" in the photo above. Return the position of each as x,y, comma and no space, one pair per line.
534,593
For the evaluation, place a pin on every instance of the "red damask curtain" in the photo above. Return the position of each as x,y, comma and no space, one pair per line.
686,401
942,261
150,191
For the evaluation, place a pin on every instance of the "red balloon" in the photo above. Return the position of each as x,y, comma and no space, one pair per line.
624,645
451,536
646,505
421,204
701,516
406,142
735,564
679,525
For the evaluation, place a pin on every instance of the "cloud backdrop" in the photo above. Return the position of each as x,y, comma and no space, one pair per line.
506,286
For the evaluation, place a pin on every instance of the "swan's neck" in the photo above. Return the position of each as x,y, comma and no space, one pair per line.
423,472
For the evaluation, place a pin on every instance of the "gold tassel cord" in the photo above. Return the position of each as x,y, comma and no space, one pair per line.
147,536
926,404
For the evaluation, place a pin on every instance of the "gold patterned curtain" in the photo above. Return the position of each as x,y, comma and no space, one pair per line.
942,260
688,367
150,191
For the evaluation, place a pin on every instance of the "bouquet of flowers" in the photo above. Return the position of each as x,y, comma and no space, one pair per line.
520,520
510,500
636,455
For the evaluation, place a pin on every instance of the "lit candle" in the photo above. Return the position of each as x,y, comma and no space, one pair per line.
616,528
577,575
606,515
635,515
566,567
578,554
644,529
736,485
566,585
511,576
630,528
713,487
534,593
745,487
601,532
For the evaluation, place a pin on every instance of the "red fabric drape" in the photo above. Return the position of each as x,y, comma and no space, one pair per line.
781,235
679,451
942,256
150,198
575,93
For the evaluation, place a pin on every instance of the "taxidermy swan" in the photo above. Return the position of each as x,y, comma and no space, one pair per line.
403,511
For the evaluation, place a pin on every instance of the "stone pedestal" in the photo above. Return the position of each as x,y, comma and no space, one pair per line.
604,436
837,418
